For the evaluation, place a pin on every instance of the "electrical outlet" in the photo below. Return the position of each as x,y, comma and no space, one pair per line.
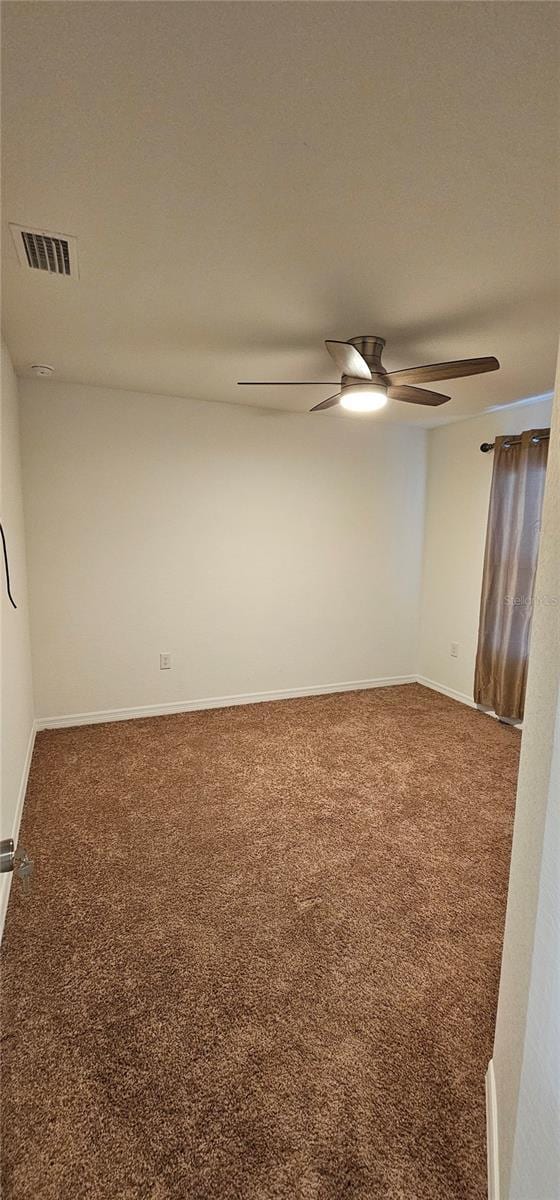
454,650
165,662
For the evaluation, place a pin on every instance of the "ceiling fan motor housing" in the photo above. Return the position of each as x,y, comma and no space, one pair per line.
370,348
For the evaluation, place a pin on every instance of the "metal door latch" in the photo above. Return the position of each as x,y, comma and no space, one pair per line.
17,861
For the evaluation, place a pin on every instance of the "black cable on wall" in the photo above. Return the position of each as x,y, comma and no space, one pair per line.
7,566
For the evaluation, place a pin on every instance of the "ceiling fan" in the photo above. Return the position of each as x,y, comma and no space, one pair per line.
365,384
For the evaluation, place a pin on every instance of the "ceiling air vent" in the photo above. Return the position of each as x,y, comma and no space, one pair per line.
38,250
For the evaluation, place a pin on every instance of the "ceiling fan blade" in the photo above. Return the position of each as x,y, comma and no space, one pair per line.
287,382
447,370
417,395
348,360
330,403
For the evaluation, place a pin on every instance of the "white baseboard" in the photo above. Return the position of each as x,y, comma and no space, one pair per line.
6,877
446,691
464,699
181,706
492,1135
101,716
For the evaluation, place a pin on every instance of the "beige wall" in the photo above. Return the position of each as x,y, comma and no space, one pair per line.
527,1048
262,550
458,491
16,693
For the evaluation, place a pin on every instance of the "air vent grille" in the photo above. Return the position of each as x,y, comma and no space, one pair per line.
47,253
38,250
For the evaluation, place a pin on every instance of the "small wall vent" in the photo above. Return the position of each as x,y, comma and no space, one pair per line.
38,250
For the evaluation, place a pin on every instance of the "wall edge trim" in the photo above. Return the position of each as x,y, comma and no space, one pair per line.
492,1134
6,879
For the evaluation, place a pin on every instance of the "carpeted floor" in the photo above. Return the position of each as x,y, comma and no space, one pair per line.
260,957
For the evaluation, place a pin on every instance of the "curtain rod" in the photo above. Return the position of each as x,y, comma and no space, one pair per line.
486,446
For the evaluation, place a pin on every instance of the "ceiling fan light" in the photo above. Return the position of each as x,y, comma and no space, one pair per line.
363,399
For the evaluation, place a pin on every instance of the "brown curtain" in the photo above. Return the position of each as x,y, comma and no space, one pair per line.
510,563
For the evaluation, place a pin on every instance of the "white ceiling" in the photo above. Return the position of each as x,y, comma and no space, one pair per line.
248,179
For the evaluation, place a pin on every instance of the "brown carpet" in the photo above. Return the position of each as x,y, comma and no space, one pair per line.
260,958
